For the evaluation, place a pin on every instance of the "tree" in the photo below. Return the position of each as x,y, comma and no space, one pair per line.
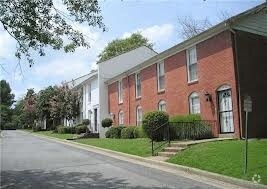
6,101
191,27
119,46
36,24
30,108
6,98
65,103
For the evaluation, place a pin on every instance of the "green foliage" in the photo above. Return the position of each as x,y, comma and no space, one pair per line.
139,132
185,118
65,130
120,46
190,131
153,120
86,122
37,24
8,126
37,128
6,97
128,132
107,122
114,132
80,129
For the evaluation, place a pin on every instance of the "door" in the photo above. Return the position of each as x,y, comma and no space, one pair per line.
95,119
226,111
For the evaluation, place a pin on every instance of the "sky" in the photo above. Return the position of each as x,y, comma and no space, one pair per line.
155,19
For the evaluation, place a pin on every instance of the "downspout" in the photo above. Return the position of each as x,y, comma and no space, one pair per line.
238,84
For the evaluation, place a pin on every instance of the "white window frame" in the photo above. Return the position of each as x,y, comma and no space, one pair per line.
139,115
120,117
189,64
138,93
193,96
160,88
162,106
120,98
89,93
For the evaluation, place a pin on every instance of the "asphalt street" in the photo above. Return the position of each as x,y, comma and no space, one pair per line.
31,162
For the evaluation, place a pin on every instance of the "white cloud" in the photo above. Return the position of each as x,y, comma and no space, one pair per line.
64,68
155,34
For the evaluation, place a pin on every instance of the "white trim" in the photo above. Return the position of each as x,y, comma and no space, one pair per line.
120,117
120,91
138,110
138,96
188,63
224,87
191,97
161,104
158,75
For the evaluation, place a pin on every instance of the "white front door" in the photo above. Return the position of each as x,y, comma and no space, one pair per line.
226,111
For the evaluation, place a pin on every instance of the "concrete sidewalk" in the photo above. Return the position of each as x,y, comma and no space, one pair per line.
179,170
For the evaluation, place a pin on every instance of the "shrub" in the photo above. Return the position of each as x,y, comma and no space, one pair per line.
107,122
107,134
86,122
60,129
153,120
139,132
37,128
189,127
9,126
185,118
80,129
128,132
114,132
64,129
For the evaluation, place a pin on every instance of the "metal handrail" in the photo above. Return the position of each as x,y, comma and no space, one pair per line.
153,139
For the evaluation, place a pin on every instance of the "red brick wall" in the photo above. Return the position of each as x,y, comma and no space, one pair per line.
215,68
252,64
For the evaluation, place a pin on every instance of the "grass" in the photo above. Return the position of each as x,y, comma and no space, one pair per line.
226,157
139,146
56,135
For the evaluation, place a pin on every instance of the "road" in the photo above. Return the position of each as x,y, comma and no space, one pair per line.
31,162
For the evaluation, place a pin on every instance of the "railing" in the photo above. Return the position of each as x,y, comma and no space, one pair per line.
160,137
193,130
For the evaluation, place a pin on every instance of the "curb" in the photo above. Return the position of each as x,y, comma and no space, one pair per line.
172,167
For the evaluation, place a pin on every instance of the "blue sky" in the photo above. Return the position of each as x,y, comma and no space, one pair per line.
155,19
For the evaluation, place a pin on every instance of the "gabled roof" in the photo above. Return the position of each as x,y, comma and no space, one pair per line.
231,23
75,83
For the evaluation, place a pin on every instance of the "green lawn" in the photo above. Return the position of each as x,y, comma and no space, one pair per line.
139,147
226,157
56,135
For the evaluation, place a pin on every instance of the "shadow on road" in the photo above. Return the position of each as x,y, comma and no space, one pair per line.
39,179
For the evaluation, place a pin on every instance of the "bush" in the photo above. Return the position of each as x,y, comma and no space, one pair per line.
64,130
37,128
153,120
114,132
189,127
185,118
107,122
128,132
86,122
139,132
9,126
80,129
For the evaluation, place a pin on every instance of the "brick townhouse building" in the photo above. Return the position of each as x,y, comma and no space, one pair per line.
209,74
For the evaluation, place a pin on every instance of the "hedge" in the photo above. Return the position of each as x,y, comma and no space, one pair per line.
107,122
139,132
128,132
114,132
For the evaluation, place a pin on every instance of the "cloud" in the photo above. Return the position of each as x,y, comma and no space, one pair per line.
155,34
64,68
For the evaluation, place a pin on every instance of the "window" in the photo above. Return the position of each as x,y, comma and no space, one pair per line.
120,91
139,115
192,64
137,85
89,93
120,117
161,76
162,106
194,103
